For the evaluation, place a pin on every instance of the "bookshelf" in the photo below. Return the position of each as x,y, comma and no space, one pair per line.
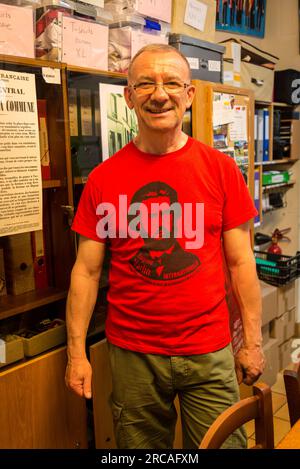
41,379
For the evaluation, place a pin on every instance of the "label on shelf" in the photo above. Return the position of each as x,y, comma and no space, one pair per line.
214,65
51,75
194,62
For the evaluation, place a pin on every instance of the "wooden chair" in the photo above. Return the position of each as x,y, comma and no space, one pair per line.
257,407
292,389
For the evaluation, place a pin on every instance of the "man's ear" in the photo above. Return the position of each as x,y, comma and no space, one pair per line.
127,96
190,96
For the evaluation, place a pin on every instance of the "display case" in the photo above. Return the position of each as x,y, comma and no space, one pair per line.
223,117
38,251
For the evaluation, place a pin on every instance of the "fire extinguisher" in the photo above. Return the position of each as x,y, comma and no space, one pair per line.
277,235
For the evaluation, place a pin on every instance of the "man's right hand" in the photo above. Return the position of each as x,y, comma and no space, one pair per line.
78,377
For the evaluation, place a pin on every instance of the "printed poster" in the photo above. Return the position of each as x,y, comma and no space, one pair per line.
20,166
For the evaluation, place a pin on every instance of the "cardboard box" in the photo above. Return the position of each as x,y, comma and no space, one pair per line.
265,332
205,58
45,340
19,264
256,68
272,367
178,25
14,350
295,139
286,299
285,352
269,302
283,328
230,76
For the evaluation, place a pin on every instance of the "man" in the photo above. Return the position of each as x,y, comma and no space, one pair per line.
166,338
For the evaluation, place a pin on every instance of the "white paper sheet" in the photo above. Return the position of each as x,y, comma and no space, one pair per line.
195,14
20,166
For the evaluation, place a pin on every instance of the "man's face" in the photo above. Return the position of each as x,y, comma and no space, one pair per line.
159,110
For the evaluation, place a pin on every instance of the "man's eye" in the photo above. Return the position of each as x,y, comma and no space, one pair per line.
145,84
173,84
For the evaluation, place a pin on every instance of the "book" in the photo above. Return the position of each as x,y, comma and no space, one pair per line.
43,137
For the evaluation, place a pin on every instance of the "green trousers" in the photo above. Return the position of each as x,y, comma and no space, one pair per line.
144,389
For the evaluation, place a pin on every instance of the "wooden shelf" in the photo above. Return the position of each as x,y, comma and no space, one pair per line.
271,162
80,180
274,186
11,305
51,183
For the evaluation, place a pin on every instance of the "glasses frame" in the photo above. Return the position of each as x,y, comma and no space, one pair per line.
135,87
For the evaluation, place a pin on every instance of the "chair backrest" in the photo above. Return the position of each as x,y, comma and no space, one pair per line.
257,407
292,389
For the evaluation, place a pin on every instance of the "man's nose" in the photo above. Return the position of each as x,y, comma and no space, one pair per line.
159,94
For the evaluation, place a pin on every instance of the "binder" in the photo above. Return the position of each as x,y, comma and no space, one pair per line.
2,274
266,135
257,197
39,259
43,134
19,264
260,134
255,134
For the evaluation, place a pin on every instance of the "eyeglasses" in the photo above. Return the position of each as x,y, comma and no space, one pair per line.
171,87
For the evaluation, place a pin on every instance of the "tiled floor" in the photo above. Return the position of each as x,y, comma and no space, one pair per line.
280,413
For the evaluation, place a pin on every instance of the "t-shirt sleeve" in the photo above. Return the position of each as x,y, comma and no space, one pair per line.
86,219
238,205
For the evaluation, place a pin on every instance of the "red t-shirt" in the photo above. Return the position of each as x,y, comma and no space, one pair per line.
165,296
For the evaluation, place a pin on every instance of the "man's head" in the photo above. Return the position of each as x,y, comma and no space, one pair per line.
158,107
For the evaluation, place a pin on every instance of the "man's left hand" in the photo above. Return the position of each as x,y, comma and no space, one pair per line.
249,364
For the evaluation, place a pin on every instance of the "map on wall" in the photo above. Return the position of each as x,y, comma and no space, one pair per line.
241,16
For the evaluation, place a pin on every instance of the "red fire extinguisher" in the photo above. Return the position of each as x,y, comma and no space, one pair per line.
277,235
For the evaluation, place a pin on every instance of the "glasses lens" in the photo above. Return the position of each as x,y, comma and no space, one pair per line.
172,87
145,88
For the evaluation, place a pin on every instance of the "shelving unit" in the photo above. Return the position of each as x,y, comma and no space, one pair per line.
40,380
275,186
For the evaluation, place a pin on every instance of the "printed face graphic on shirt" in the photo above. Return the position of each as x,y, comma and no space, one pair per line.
161,258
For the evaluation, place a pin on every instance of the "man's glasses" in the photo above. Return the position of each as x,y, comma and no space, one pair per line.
170,87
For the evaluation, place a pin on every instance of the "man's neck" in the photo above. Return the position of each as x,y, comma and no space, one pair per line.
160,143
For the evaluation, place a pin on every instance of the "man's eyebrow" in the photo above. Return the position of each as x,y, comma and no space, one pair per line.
167,77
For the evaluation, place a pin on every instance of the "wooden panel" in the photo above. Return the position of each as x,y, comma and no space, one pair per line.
37,410
102,387
202,128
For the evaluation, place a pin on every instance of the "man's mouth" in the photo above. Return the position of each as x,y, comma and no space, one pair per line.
159,111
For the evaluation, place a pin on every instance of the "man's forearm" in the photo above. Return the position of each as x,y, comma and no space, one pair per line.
246,289
80,305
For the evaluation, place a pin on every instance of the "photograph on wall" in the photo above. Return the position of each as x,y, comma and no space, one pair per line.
241,16
118,123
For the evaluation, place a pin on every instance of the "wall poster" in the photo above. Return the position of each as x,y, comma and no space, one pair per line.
241,16
118,123
20,166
